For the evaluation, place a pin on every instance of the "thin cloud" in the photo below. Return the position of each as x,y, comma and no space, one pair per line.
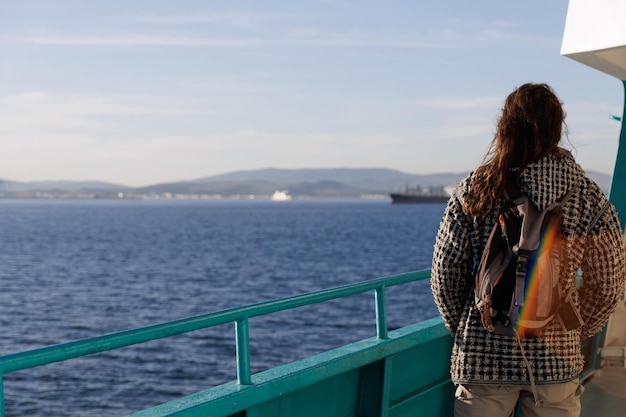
466,132
187,41
299,37
233,18
85,104
455,103
141,40
72,112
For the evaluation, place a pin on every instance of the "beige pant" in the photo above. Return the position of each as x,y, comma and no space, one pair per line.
485,400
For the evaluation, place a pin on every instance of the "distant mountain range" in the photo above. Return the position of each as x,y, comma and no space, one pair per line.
332,182
305,182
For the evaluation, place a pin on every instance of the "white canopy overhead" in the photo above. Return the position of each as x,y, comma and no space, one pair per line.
595,34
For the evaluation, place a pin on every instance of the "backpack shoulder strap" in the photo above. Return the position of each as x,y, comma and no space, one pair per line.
512,190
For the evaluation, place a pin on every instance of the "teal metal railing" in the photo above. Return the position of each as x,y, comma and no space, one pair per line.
617,196
239,316
617,192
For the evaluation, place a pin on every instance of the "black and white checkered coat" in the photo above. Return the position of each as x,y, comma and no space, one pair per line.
482,357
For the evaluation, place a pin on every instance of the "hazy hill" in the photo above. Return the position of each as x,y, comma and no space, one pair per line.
362,178
61,186
331,182
252,186
603,180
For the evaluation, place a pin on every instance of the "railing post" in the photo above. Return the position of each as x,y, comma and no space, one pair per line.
1,395
381,313
616,192
243,352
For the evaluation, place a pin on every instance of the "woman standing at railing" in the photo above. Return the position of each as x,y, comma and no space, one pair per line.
493,371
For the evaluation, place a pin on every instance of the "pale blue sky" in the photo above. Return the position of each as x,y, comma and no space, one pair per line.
141,92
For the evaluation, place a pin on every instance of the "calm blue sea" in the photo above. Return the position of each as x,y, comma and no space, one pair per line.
76,269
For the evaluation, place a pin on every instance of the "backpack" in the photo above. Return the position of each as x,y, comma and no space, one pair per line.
517,289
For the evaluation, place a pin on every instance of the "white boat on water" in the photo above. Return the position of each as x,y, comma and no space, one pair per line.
280,195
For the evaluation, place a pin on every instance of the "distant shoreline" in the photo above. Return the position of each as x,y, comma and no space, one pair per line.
258,184
190,197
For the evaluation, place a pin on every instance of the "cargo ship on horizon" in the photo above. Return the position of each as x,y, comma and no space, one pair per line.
417,195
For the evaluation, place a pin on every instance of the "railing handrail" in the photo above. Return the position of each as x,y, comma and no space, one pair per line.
239,315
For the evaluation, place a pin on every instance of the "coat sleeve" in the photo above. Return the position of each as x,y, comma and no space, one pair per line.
603,275
452,263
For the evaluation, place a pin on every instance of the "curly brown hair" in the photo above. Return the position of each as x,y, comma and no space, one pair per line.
529,128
